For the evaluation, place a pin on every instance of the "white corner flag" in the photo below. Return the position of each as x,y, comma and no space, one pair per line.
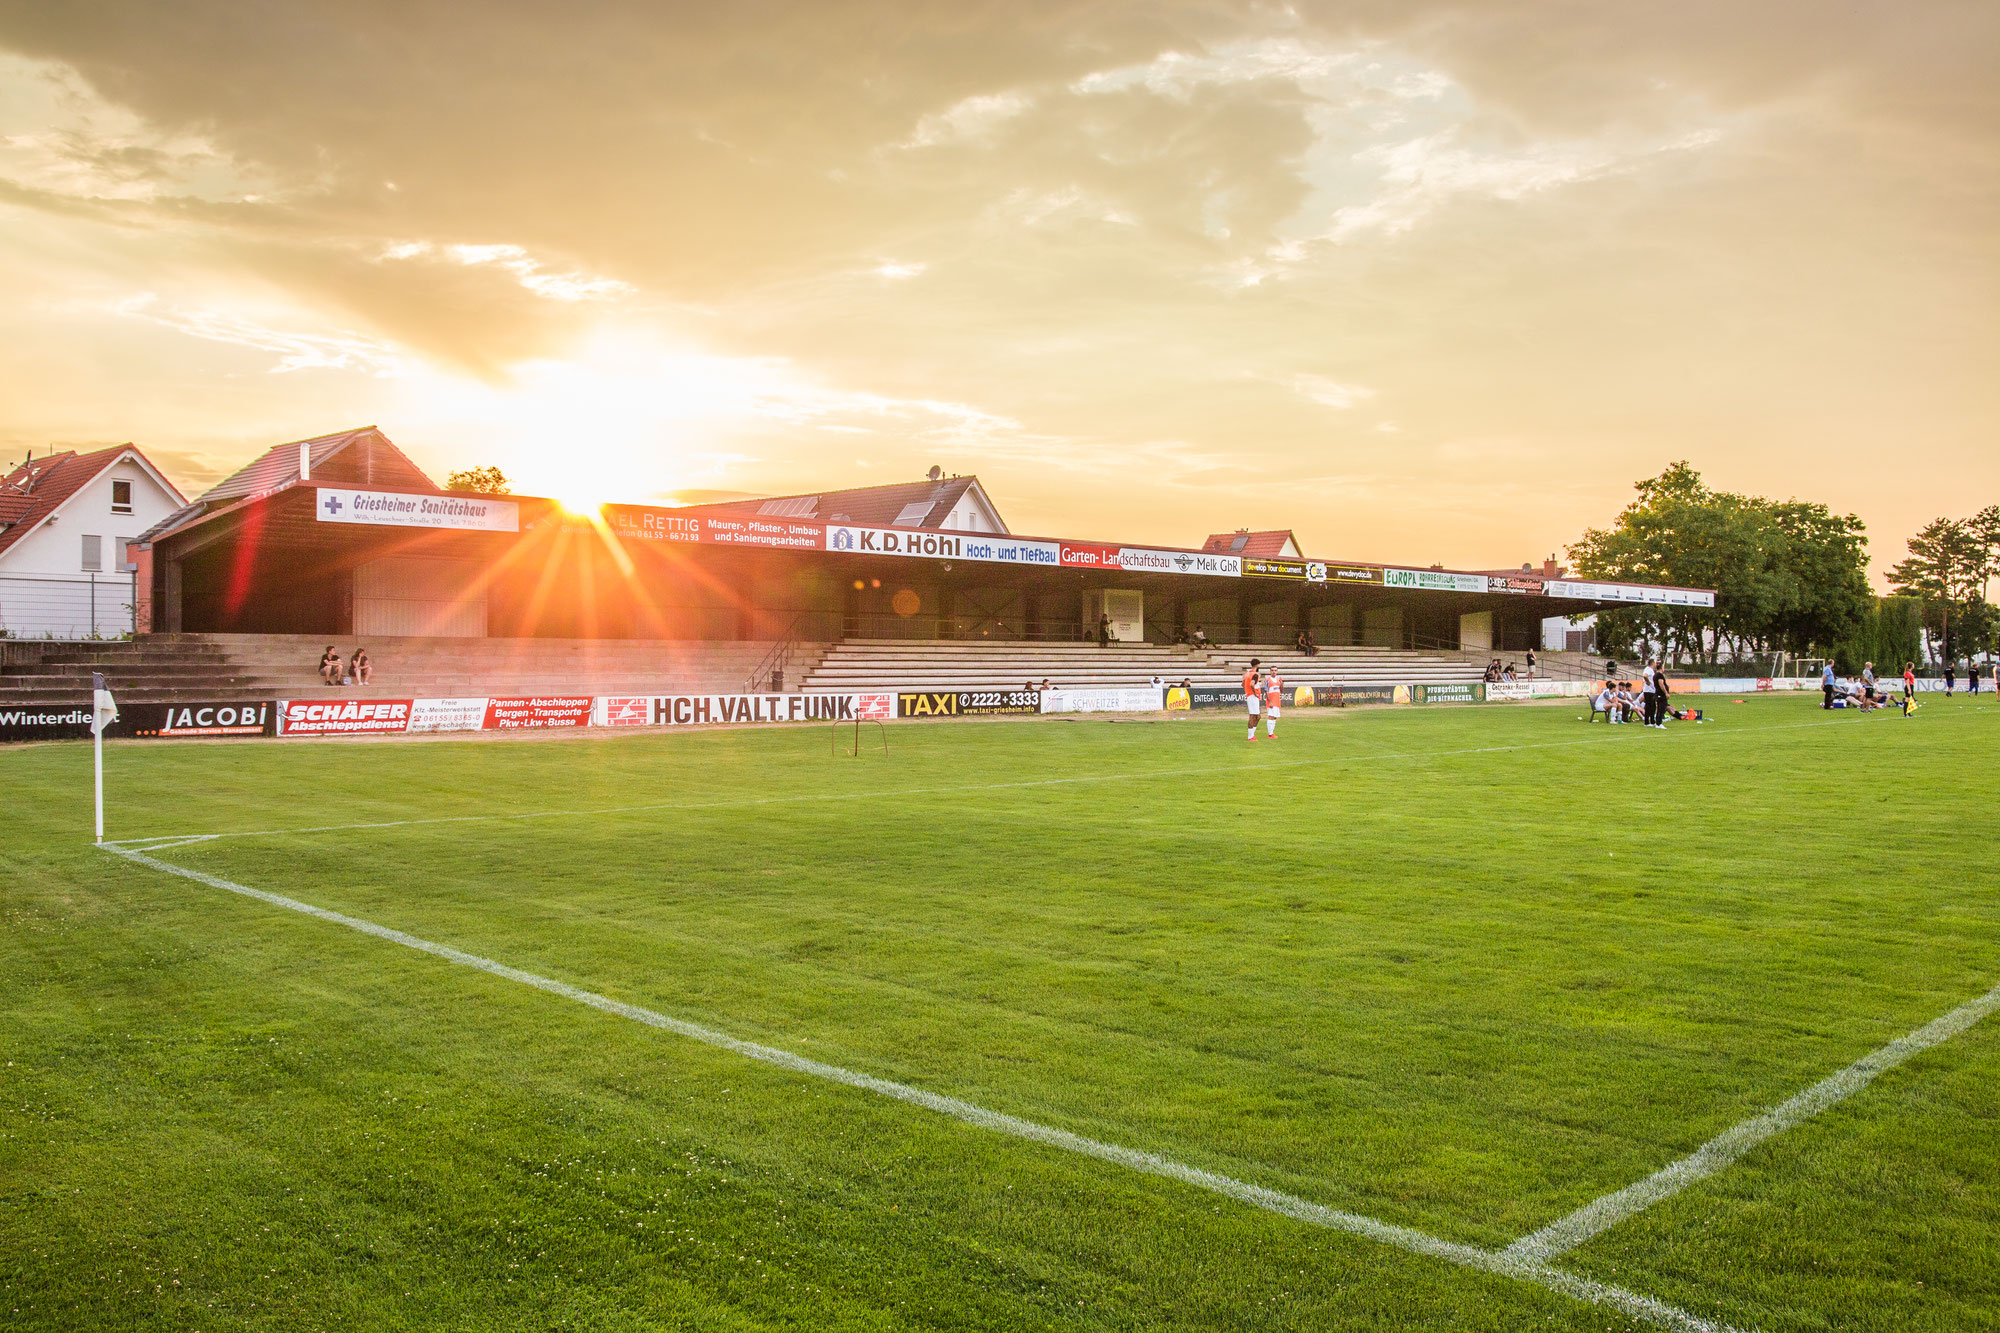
103,712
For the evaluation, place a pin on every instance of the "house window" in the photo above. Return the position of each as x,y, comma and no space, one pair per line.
93,553
121,497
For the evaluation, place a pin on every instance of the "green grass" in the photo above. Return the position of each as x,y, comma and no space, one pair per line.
1458,969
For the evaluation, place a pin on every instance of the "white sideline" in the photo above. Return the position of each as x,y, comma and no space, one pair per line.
174,839
1602,1214
1500,1262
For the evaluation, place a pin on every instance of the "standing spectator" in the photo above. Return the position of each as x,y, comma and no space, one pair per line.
1531,664
1826,683
330,666
1909,683
1950,675
1663,692
359,668
1649,693
1971,676
1103,630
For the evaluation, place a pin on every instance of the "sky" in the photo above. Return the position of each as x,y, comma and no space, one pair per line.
1425,282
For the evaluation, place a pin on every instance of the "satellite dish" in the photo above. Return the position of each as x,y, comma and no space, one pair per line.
936,472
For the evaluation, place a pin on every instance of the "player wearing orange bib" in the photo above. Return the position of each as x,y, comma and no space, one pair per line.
1253,694
1274,695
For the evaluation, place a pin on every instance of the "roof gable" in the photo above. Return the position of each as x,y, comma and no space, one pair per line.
39,487
1274,542
364,457
912,504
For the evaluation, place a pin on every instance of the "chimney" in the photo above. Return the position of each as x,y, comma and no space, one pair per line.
305,460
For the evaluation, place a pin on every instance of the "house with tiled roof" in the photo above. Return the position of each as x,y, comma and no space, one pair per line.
1269,545
940,503
363,457
64,521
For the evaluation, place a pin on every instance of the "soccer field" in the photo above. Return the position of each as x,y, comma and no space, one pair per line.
1016,1024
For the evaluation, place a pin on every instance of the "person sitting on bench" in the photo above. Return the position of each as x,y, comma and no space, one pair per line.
331,668
359,667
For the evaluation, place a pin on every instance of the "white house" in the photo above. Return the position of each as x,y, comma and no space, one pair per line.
64,522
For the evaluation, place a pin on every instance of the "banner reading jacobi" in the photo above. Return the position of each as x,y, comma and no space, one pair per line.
143,721
966,703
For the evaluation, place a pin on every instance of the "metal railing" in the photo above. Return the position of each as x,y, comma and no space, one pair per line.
83,606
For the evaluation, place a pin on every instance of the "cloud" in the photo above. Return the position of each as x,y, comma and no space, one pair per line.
1331,393
295,351
974,118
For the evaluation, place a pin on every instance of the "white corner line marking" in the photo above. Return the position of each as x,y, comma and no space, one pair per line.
1601,1215
167,839
1500,1262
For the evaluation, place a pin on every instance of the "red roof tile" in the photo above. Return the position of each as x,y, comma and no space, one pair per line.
36,488
1245,542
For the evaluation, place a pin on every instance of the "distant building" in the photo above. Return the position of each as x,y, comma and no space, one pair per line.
1278,542
64,521
943,504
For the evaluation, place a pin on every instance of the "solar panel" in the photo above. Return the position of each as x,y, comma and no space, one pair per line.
792,506
1242,540
912,515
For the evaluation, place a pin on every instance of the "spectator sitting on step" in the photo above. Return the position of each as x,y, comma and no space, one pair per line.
359,668
1158,683
1508,674
330,666
1047,684
1103,631
1200,637
1181,636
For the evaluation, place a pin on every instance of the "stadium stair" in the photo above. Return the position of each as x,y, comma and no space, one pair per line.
189,667
866,664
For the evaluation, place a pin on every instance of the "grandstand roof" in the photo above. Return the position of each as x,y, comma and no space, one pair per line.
1277,541
37,487
910,504
365,456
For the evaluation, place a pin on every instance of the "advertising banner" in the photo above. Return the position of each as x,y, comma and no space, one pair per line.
1215,696
1102,701
1497,690
1629,592
896,541
696,710
1433,580
447,714
193,721
1553,689
1302,697
647,523
472,513
1525,585
966,703
1353,574
1454,693
343,717
1178,699
55,722
1309,571
1146,561
1349,696
1088,555
875,707
540,711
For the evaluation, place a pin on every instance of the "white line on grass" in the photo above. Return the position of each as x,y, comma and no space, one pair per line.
174,839
1499,1262
1602,1214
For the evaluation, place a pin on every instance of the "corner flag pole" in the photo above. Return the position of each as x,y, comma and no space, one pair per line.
103,712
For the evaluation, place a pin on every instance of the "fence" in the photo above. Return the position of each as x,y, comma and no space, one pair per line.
66,606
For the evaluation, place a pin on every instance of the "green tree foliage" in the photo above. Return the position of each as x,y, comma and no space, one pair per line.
487,480
1950,563
1787,574
1889,635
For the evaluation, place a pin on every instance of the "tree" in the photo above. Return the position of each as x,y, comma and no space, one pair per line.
1787,574
1948,566
486,480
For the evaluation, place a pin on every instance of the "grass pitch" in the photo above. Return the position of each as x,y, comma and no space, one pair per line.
1458,970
